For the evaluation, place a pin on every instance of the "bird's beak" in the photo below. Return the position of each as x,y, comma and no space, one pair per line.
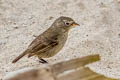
75,24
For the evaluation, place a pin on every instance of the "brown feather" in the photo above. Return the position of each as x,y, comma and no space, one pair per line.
19,57
51,44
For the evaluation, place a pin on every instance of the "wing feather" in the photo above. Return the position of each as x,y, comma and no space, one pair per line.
42,45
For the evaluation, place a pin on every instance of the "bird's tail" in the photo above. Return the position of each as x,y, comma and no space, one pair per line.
20,56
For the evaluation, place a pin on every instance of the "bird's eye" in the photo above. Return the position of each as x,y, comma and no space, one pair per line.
67,24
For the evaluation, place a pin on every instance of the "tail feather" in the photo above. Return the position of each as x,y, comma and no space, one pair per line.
19,57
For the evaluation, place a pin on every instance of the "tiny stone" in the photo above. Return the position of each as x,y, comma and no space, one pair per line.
14,23
16,27
119,35
33,22
34,36
50,17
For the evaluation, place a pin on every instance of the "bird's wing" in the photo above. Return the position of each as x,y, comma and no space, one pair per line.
42,44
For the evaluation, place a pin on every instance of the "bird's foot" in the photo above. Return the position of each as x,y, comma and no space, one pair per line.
43,61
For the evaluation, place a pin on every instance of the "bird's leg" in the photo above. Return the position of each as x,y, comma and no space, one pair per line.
42,60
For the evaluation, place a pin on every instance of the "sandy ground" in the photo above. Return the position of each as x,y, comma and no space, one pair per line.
22,20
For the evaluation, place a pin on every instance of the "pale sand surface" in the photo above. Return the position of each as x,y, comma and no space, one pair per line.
22,20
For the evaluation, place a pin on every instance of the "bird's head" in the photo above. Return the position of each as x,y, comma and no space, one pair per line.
65,23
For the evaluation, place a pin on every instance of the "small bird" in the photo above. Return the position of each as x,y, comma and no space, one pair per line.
51,41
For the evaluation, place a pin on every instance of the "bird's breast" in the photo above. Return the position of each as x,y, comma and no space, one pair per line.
61,42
